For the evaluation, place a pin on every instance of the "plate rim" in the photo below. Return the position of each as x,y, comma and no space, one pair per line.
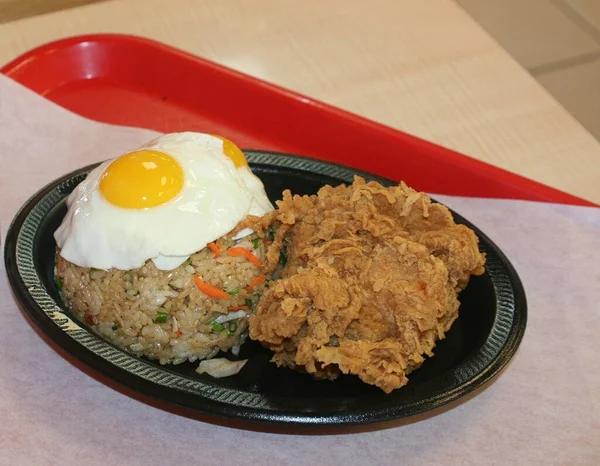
202,405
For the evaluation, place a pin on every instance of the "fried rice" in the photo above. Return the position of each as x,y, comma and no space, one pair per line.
164,315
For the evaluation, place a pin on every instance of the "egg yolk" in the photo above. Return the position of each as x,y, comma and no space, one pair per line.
233,152
145,178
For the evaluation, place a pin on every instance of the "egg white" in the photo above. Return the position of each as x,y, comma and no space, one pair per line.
215,197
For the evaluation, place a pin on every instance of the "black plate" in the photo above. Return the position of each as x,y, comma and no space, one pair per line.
481,342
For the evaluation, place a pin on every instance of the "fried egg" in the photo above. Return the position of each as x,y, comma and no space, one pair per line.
163,202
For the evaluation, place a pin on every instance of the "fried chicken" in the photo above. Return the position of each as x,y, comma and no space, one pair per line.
370,283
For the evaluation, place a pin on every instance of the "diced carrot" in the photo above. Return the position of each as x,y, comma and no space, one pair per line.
215,249
267,242
256,281
243,252
238,308
209,290
59,266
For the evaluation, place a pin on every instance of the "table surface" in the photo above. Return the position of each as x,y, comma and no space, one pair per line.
424,67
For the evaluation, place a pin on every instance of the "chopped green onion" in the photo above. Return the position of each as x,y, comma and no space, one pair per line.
189,261
283,257
249,302
254,302
116,327
272,233
59,284
216,326
256,243
161,317
232,328
234,292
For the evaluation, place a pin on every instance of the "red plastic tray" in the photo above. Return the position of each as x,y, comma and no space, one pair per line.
132,81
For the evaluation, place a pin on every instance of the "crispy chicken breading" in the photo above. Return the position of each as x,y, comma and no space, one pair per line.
370,283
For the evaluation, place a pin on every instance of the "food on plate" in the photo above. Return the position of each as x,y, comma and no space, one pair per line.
368,278
150,253
220,367
173,251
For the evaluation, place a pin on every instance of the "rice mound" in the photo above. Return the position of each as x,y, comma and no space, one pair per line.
162,314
